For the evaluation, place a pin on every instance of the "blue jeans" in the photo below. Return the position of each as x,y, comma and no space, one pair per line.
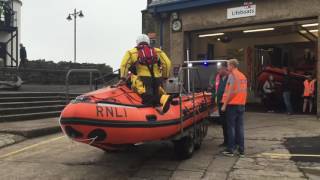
223,121
287,101
234,115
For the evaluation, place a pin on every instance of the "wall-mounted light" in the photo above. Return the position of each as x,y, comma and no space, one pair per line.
312,31
310,25
258,30
209,35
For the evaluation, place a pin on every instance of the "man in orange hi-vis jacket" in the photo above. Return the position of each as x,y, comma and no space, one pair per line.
308,93
234,100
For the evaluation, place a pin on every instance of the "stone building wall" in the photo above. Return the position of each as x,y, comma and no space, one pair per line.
214,17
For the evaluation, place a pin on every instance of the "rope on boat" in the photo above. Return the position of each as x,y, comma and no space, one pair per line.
89,139
93,139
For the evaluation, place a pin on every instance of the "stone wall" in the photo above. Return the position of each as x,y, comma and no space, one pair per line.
49,72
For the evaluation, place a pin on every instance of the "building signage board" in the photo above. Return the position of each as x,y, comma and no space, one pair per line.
242,11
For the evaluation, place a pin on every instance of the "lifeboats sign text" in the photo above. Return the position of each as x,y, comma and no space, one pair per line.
242,11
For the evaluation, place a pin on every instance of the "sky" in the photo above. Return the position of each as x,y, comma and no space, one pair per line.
108,29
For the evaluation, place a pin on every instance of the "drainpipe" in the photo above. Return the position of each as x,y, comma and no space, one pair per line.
318,74
161,32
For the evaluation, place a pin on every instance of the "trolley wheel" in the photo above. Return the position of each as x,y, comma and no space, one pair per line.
198,141
198,138
197,144
184,147
201,132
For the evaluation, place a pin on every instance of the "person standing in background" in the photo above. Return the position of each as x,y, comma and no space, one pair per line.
269,93
286,91
218,90
23,56
308,93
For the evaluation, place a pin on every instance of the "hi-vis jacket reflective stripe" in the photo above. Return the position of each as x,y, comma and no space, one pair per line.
217,82
308,88
131,58
237,87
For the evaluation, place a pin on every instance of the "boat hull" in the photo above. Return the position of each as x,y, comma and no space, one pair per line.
108,125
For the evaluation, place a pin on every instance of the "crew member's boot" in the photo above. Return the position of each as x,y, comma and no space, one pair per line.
165,102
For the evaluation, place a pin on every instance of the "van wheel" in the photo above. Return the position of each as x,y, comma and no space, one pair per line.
184,147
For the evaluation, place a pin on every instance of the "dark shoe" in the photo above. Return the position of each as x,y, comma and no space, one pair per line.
223,145
241,155
227,153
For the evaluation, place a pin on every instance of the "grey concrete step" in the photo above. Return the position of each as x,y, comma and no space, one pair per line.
28,99
32,109
31,104
29,116
34,94
22,106
31,128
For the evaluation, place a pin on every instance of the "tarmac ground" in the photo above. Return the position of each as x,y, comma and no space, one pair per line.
278,146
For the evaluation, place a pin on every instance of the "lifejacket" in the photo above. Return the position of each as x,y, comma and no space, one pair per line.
308,88
147,55
237,90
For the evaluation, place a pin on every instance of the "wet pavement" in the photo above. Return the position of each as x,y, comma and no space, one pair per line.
7,139
304,145
273,141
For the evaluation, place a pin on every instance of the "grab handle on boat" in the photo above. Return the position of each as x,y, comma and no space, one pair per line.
151,117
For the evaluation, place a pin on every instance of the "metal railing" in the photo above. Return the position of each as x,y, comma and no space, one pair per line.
190,90
104,77
90,71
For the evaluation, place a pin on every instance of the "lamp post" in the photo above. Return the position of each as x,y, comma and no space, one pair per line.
75,14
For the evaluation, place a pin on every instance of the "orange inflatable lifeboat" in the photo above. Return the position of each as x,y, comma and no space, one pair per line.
296,85
113,117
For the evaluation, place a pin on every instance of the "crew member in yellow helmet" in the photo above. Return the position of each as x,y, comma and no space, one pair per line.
151,66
